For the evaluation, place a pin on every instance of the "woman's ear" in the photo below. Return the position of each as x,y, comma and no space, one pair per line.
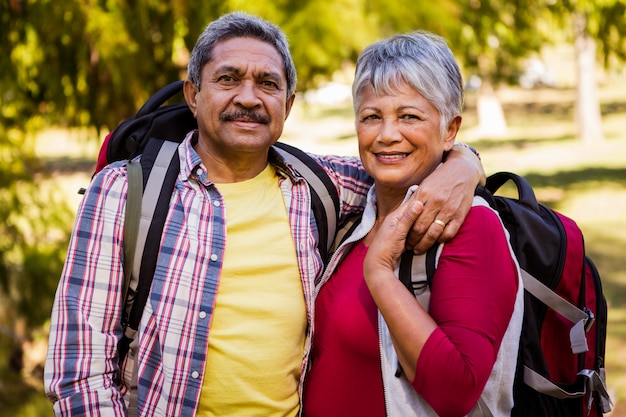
453,128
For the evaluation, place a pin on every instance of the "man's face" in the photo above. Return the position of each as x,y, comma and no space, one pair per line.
242,103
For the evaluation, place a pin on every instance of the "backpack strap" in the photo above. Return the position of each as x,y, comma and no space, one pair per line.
160,97
131,219
587,382
582,320
324,197
160,166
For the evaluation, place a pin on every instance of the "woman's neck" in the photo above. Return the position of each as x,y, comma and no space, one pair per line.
388,200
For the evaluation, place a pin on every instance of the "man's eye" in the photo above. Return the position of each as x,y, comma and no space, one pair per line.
269,84
410,117
225,78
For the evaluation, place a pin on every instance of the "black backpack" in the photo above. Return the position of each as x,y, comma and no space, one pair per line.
560,370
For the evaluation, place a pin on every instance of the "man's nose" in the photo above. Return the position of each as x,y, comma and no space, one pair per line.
247,95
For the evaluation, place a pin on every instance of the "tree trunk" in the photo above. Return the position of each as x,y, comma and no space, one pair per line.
491,121
587,109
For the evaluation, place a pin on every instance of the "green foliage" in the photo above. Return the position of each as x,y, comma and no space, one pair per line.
605,22
389,18
324,35
494,36
79,63
33,236
92,63
611,32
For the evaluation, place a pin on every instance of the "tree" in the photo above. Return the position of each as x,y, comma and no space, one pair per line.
596,25
324,35
83,63
32,237
493,38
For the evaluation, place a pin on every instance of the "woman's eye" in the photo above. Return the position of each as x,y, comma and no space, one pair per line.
369,117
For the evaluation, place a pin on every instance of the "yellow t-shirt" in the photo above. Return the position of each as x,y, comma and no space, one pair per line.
257,333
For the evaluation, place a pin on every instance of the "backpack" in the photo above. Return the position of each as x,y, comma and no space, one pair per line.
155,132
560,370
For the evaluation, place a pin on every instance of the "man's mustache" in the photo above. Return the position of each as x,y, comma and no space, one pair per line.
244,115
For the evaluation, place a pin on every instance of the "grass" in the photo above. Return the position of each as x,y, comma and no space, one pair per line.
585,182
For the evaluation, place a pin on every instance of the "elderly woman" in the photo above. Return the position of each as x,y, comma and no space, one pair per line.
458,356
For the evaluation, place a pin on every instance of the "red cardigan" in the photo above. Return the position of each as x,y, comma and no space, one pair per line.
469,302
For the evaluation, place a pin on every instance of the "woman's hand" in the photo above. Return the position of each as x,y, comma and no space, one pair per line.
387,241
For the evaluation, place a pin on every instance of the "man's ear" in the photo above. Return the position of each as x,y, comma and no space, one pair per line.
289,105
190,90
453,128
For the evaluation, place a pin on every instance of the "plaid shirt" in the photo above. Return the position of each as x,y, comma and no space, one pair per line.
81,367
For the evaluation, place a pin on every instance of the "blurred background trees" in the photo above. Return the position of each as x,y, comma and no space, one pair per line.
92,63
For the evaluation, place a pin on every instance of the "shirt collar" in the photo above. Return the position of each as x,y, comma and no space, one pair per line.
191,164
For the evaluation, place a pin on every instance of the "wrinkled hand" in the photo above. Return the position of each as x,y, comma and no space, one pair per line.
447,196
388,239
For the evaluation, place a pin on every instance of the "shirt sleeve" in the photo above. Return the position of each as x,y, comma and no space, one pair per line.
81,365
351,180
473,296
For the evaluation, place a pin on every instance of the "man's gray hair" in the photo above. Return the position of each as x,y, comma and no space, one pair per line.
239,25
421,59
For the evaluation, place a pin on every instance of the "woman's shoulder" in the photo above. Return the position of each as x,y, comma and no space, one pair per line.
481,229
482,216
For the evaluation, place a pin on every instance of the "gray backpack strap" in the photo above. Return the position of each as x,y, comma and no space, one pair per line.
131,219
149,200
140,210
131,229
324,196
594,381
582,321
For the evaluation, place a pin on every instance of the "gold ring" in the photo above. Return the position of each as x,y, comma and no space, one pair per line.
440,223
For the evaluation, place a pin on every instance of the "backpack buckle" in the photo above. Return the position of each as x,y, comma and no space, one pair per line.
591,318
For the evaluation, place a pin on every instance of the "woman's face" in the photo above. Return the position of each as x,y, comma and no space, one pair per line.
399,136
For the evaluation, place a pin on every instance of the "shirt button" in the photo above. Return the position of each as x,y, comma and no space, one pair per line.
199,171
202,314
216,203
214,257
195,374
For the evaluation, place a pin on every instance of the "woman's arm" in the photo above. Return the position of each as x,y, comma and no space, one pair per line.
403,314
454,348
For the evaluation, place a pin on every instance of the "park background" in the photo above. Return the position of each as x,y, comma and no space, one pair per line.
546,98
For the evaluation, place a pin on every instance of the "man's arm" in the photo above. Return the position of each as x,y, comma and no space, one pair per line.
447,196
81,365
